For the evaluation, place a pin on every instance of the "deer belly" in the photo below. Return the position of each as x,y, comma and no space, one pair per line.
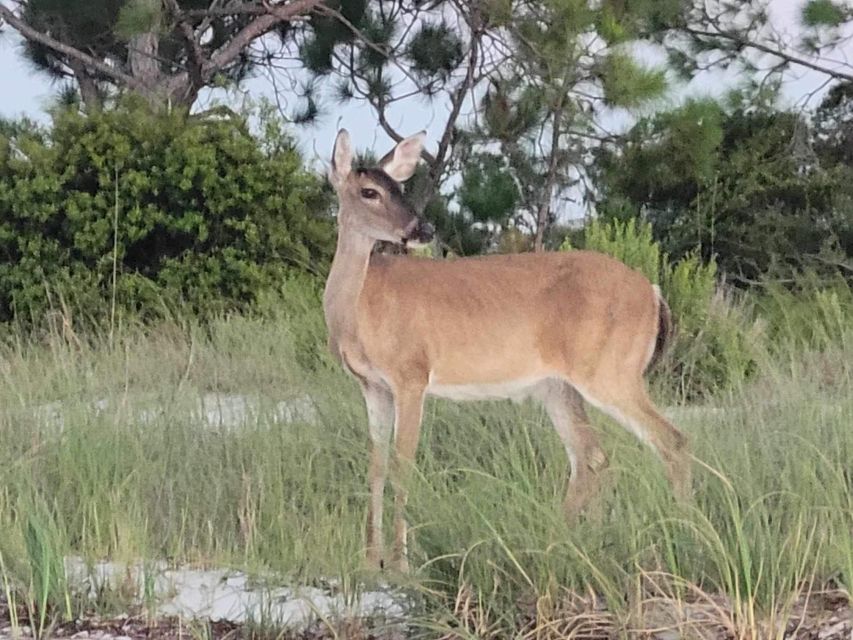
510,390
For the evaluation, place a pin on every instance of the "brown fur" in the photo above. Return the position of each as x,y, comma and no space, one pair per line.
533,316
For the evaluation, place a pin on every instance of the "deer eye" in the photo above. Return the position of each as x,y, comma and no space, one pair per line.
369,194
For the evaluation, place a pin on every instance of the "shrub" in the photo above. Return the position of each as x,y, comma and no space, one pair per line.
813,314
625,241
150,210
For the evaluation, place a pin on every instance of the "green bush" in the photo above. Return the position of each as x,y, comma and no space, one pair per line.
627,242
712,348
813,315
151,211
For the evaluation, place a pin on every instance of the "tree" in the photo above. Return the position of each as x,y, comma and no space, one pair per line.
572,61
744,186
529,76
483,206
165,50
834,125
402,51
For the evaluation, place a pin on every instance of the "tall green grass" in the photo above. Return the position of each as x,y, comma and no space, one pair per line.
772,513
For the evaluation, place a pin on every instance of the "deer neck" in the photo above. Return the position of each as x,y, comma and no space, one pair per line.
344,285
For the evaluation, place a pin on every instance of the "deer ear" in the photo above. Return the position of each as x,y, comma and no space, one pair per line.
400,162
341,159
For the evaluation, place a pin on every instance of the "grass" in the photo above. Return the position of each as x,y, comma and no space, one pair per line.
772,516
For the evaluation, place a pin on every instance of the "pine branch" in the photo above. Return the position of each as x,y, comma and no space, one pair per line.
276,14
378,105
35,35
361,37
227,11
458,97
182,86
784,55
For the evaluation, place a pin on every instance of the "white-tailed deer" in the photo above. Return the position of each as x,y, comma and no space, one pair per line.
560,327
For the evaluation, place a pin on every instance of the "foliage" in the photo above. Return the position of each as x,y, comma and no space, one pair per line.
488,191
626,241
627,84
824,13
138,16
746,188
538,64
435,51
833,126
815,314
455,230
200,213
543,104
743,36
81,24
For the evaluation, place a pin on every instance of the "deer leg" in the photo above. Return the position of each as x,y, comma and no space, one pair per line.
409,410
380,417
635,411
564,406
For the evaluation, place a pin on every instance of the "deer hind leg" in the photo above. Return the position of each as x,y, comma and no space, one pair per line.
628,403
564,406
380,417
409,411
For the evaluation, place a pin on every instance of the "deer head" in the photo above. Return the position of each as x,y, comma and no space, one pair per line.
371,201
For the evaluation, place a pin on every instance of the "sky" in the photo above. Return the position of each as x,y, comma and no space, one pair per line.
26,92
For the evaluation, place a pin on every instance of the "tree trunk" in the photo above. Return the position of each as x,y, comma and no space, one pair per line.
548,188
89,93
542,219
144,64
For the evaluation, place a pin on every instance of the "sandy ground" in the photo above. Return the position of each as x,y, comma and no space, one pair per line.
179,600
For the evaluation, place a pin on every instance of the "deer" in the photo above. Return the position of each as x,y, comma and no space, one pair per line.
564,328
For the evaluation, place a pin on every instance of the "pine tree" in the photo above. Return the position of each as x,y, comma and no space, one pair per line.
570,64
395,51
165,50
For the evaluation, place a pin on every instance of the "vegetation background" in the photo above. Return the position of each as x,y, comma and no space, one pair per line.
153,251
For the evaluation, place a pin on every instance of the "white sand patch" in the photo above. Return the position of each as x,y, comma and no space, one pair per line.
212,410
222,594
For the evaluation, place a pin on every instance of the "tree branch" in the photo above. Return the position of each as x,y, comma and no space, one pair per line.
276,14
337,15
456,99
181,86
34,35
378,106
787,57
227,11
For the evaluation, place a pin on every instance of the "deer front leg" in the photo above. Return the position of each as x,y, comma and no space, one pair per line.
409,410
380,417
